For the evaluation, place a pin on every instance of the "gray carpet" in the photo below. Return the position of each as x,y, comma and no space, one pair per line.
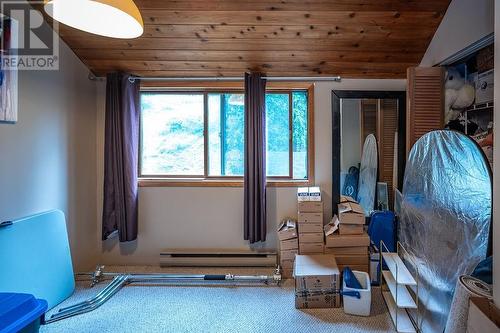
212,309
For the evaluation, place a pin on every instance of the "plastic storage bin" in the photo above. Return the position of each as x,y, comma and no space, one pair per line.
20,313
358,301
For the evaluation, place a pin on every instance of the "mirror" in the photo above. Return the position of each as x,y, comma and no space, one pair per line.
368,143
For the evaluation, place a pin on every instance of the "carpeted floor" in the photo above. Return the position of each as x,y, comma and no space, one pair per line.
212,309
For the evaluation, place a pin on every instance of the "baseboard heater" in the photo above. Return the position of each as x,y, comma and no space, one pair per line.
211,258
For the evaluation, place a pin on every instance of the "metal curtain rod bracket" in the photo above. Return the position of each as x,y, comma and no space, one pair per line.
122,279
93,77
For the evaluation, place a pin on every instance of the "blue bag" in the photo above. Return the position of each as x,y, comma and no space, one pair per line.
351,183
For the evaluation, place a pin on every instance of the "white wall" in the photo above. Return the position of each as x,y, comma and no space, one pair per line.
496,164
48,156
465,22
211,218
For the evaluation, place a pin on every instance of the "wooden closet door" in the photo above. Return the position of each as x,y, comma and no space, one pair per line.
387,125
368,118
425,102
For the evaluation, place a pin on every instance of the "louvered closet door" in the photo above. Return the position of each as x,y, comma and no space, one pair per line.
387,125
368,119
425,107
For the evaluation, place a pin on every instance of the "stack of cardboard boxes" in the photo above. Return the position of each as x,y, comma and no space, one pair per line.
310,221
289,246
349,242
317,281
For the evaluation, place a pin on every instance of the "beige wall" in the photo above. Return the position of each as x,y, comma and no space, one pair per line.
211,218
48,156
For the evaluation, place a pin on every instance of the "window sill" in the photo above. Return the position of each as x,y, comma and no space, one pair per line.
193,182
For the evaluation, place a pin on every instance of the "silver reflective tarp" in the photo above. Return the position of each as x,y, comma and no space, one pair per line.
445,218
368,175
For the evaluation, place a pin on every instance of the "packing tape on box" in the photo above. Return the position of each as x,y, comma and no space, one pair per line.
467,287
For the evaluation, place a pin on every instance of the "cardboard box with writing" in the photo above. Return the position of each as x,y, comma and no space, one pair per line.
286,264
314,193
287,230
311,237
303,194
337,240
289,244
317,281
310,218
310,207
288,254
311,248
352,260
352,250
350,229
309,227
351,213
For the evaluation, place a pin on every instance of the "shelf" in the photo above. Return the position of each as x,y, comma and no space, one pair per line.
403,299
482,106
399,316
396,265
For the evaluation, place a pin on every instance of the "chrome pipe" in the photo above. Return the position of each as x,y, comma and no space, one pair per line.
89,307
121,280
115,284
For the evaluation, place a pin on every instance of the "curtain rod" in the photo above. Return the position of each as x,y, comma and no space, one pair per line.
227,78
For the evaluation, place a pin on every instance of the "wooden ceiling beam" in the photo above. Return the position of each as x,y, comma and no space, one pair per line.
258,18
295,32
297,5
249,56
339,44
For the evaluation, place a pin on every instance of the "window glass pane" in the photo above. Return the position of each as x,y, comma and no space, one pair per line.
226,134
299,121
277,134
172,134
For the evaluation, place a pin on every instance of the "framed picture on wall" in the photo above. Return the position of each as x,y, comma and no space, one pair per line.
8,78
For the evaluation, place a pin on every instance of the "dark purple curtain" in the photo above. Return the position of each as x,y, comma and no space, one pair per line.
255,158
120,158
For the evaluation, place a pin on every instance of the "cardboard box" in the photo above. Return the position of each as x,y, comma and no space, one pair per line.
485,87
351,213
346,198
286,264
352,260
287,273
310,206
303,194
310,218
317,300
350,229
287,230
313,237
356,250
316,273
288,254
311,248
361,268
337,240
314,193
310,227
289,244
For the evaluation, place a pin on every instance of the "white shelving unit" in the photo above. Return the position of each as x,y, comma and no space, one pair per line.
394,285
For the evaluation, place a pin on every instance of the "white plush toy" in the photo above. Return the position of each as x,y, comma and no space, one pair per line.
459,94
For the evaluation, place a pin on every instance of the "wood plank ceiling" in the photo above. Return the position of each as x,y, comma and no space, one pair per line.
186,38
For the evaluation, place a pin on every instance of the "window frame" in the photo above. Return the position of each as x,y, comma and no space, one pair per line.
206,88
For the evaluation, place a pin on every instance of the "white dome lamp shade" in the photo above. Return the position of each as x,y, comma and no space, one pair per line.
110,18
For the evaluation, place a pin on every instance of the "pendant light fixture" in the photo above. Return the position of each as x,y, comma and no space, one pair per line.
110,18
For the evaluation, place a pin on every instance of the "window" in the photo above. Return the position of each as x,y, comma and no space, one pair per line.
200,135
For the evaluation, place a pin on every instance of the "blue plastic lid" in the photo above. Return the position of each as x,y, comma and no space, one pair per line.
19,310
